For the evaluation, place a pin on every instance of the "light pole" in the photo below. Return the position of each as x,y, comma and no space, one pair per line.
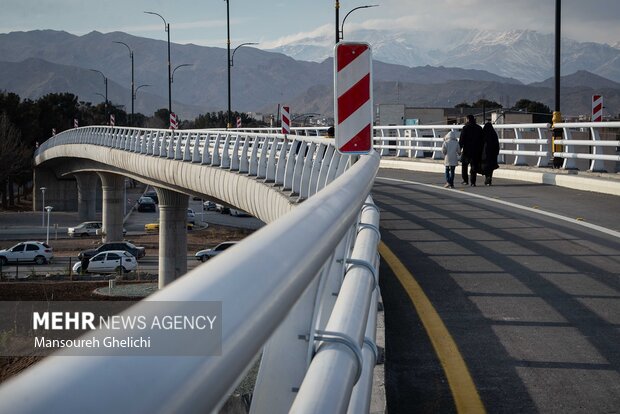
105,81
175,69
135,93
337,21
132,94
43,206
557,114
231,58
228,59
49,210
167,27
347,15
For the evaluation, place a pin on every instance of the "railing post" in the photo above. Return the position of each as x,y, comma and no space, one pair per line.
596,165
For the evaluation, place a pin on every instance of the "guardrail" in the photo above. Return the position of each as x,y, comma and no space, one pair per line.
303,289
520,142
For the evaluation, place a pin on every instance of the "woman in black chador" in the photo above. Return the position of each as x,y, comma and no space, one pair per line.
490,152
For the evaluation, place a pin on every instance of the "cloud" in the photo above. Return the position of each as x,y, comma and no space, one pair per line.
318,32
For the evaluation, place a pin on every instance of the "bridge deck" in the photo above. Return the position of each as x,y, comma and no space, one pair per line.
531,301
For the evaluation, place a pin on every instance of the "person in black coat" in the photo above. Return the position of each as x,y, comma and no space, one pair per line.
490,152
471,142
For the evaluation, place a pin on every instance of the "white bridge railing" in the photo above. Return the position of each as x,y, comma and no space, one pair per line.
522,144
302,292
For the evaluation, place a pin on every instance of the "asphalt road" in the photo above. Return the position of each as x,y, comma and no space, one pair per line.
530,299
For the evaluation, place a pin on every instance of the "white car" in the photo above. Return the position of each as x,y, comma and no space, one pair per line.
239,213
88,228
30,251
204,255
111,261
191,216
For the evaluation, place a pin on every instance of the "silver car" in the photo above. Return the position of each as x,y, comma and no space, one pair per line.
88,228
204,255
30,251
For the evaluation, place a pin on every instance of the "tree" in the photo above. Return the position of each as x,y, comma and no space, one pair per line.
462,105
485,103
14,157
532,106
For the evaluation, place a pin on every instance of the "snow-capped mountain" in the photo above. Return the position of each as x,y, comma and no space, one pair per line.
522,54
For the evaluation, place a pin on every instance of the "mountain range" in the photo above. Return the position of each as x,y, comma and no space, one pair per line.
521,54
38,62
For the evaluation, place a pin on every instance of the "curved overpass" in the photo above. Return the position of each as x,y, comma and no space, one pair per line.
276,288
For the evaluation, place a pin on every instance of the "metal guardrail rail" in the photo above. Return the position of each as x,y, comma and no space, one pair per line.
522,142
276,287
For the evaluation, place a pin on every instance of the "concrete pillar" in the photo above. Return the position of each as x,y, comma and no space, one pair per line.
172,235
87,196
113,206
60,192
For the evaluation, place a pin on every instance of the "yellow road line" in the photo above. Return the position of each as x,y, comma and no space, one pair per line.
461,384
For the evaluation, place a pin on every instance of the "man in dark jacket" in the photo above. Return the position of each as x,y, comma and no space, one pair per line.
471,142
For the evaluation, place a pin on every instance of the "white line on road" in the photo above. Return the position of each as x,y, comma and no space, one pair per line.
591,226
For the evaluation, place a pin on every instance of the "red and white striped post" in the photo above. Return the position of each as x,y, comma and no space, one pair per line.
353,97
238,122
286,120
174,121
112,120
75,123
597,108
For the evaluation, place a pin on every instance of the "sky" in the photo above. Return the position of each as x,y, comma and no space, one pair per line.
270,23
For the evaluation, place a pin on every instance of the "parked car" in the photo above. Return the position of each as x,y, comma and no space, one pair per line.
153,195
209,206
136,251
88,228
204,255
112,261
30,251
239,213
146,204
191,216
154,227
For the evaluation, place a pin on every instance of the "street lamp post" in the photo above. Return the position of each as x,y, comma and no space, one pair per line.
135,93
175,69
105,81
228,59
347,15
132,84
43,206
49,210
557,114
337,21
231,58
167,27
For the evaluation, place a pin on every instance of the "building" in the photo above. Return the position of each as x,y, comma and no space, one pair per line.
399,114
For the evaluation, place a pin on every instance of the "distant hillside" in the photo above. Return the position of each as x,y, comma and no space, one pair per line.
575,100
34,78
521,54
39,62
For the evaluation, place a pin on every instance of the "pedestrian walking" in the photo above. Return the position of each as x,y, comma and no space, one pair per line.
471,142
490,152
451,152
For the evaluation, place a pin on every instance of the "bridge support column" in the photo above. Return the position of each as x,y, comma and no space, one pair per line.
87,196
113,207
172,235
